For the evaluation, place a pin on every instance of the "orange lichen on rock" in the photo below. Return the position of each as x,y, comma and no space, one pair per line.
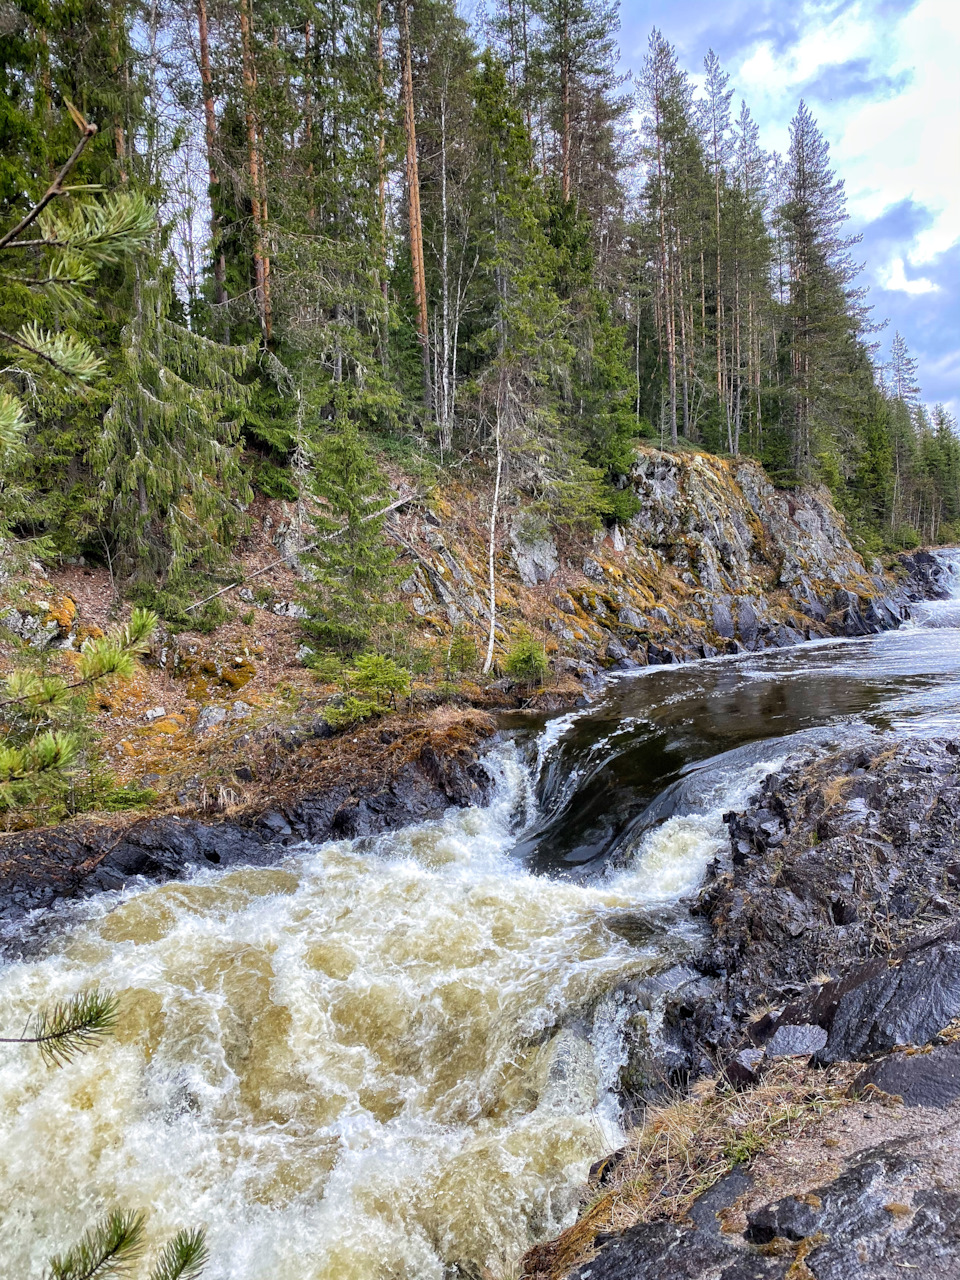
63,611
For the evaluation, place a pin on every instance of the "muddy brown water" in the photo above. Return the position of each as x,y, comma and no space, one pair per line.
395,1060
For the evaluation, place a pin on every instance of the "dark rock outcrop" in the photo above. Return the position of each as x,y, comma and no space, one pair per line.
891,1208
349,793
836,860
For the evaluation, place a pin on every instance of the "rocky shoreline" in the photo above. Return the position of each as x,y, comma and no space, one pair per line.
379,778
831,944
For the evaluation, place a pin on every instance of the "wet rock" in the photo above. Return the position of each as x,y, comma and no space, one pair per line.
930,1078
889,1212
791,1041
747,623
903,998
723,620
839,858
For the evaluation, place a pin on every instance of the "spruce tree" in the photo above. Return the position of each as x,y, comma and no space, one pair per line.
168,460
823,312
352,568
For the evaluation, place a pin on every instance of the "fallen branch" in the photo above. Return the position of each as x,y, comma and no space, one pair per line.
275,564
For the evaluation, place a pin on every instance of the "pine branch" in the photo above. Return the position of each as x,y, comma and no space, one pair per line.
72,1026
66,353
99,660
108,1249
183,1258
56,187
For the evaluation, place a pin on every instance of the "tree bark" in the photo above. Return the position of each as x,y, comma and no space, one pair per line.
413,206
210,141
261,268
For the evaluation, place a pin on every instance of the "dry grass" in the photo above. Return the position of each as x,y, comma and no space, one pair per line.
683,1149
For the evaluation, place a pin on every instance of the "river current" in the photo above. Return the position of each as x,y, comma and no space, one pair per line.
395,1059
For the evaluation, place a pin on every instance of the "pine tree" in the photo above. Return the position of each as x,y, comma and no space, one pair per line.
902,370
822,310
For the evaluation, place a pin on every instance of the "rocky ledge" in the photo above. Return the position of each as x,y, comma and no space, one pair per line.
373,780
831,943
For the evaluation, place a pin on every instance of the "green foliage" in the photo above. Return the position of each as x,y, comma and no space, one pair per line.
352,566
167,459
183,1257
33,756
172,603
526,660
110,1248
46,277
348,711
327,667
381,677
71,1027
114,1246
274,481
462,654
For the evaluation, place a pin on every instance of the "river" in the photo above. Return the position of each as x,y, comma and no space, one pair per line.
395,1059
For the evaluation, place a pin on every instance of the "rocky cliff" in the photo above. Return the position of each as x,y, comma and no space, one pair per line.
716,560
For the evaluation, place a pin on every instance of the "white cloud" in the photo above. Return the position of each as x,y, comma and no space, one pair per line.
899,145
895,277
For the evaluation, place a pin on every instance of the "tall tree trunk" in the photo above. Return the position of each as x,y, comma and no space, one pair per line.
565,98
210,142
261,271
492,542
413,206
446,382
382,196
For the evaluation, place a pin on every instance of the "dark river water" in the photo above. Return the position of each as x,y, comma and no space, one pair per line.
396,1060
607,776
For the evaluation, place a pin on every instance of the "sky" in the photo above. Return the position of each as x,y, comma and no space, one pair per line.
882,78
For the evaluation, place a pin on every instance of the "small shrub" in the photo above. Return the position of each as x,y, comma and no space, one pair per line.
349,711
172,603
526,661
381,677
420,661
327,667
274,481
248,617
462,654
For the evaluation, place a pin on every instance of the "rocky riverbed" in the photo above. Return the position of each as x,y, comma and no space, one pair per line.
830,946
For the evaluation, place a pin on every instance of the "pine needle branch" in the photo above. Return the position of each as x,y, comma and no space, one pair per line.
72,1026
108,1249
100,659
55,189
183,1258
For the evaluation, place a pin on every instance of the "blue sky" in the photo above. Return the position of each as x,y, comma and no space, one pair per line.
883,79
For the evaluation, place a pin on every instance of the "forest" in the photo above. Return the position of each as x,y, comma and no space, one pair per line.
285,247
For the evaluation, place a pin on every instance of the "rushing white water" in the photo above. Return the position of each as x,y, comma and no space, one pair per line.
395,1060
346,1066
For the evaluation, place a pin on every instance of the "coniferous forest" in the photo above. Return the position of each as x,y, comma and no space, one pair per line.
290,245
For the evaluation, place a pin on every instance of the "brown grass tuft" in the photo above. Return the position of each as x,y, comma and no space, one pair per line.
682,1150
